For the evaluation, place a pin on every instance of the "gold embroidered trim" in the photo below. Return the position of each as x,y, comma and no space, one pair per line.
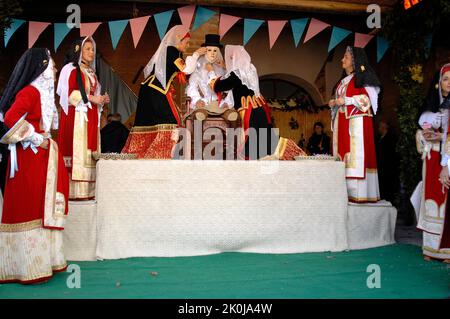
180,64
158,127
152,78
17,133
19,227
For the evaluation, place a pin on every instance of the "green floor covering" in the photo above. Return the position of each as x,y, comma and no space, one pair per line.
404,274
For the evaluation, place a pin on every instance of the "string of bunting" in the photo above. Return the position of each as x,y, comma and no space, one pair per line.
306,28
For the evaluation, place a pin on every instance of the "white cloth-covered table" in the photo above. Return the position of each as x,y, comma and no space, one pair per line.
182,208
150,208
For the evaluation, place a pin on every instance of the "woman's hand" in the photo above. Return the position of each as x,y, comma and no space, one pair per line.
200,104
44,144
444,177
340,101
431,136
201,51
98,99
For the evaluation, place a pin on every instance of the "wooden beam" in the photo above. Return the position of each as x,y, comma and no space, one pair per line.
324,6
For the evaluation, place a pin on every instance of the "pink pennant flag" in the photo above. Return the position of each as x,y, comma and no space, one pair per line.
362,39
137,28
315,27
88,29
275,28
34,31
186,14
226,22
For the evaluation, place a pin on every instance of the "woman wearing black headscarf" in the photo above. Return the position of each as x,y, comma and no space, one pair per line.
353,108
82,104
37,186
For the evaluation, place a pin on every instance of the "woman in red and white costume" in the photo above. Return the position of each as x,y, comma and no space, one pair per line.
82,104
431,143
37,185
353,109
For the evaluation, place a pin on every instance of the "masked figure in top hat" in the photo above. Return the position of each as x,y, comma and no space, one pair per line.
433,144
353,109
154,134
82,104
204,101
259,140
37,185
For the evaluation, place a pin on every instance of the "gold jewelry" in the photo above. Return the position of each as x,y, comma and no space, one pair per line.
77,48
363,68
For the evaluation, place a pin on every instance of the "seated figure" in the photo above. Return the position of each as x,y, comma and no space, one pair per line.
204,101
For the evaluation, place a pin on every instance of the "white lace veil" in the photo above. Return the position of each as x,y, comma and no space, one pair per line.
45,84
158,61
238,61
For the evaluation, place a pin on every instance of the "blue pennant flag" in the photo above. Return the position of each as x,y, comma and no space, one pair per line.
61,31
116,29
298,28
202,15
337,36
162,21
250,27
16,23
382,46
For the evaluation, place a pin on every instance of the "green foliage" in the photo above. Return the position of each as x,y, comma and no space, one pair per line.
7,9
407,32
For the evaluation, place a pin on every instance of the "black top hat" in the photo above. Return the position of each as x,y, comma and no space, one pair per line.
212,40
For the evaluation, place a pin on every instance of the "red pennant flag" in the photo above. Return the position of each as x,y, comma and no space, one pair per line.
186,14
34,31
315,27
137,26
88,29
275,28
226,22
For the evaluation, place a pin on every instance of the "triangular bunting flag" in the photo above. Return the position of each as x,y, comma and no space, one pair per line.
88,29
361,39
250,27
186,14
61,31
382,46
225,23
162,21
337,36
137,26
275,28
116,29
298,28
15,24
202,16
315,27
34,31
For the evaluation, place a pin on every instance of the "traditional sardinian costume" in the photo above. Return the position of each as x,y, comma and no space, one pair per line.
242,80
37,184
154,133
353,138
199,89
432,207
79,133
